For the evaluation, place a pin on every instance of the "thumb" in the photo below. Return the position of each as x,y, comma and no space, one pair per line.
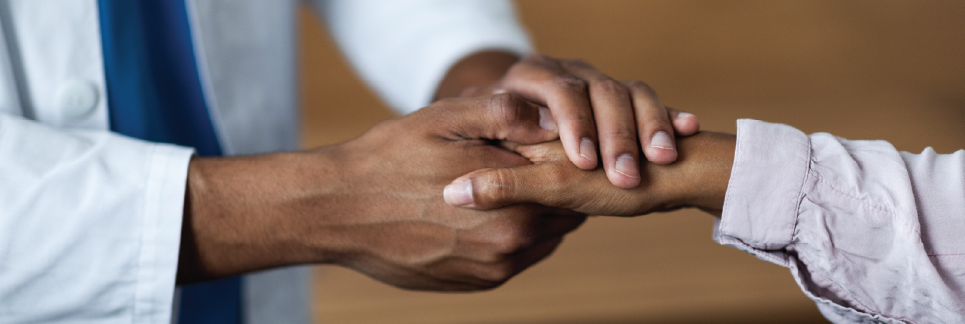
497,187
502,116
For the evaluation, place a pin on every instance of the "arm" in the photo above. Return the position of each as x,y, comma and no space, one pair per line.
90,217
868,232
698,179
415,51
96,219
374,204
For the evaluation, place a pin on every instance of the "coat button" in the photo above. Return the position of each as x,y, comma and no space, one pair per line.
77,99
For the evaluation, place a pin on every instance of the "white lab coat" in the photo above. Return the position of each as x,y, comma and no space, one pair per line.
90,221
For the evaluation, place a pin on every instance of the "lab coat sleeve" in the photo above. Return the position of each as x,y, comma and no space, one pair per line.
403,49
90,225
869,233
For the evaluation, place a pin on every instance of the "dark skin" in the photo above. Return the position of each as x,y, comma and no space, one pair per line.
698,179
374,204
602,121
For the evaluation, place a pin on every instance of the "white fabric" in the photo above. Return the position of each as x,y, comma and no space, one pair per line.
9,99
59,43
406,54
872,235
90,221
89,225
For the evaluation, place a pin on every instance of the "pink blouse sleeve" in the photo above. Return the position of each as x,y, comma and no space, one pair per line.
869,233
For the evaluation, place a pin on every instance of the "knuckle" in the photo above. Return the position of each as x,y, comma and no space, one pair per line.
512,241
496,187
506,102
505,108
557,183
622,133
502,100
612,86
570,84
637,84
576,63
577,118
640,86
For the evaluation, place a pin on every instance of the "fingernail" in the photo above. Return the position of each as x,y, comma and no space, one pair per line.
683,114
588,150
546,119
662,140
459,193
627,165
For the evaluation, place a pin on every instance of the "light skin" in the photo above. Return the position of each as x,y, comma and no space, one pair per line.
374,204
698,179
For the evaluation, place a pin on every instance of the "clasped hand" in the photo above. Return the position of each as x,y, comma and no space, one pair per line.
375,204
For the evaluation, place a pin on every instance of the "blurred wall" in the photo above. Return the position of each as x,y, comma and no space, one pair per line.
892,70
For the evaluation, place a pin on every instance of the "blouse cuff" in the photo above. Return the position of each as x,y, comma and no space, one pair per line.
771,164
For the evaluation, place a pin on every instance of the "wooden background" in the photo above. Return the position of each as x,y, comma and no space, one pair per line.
892,70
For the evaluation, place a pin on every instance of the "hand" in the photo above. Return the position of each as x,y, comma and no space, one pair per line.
698,179
588,105
374,204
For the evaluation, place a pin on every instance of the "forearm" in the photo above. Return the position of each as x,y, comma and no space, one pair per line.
698,179
871,233
700,176
477,70
244,214
373,204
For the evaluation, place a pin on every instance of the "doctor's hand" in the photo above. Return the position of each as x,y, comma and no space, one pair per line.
698,179
375,204
600,120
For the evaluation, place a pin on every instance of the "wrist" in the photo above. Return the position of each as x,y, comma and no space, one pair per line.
243,214
701,174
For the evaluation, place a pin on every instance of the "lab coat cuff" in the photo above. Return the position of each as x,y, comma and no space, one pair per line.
771,163
161,228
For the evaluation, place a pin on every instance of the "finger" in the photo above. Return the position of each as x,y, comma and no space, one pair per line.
539,153
615,125
502,116
498,187
492,188
542,80
684,123
653,122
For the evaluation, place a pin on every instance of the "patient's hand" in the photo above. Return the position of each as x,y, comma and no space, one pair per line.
698,179
593,112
